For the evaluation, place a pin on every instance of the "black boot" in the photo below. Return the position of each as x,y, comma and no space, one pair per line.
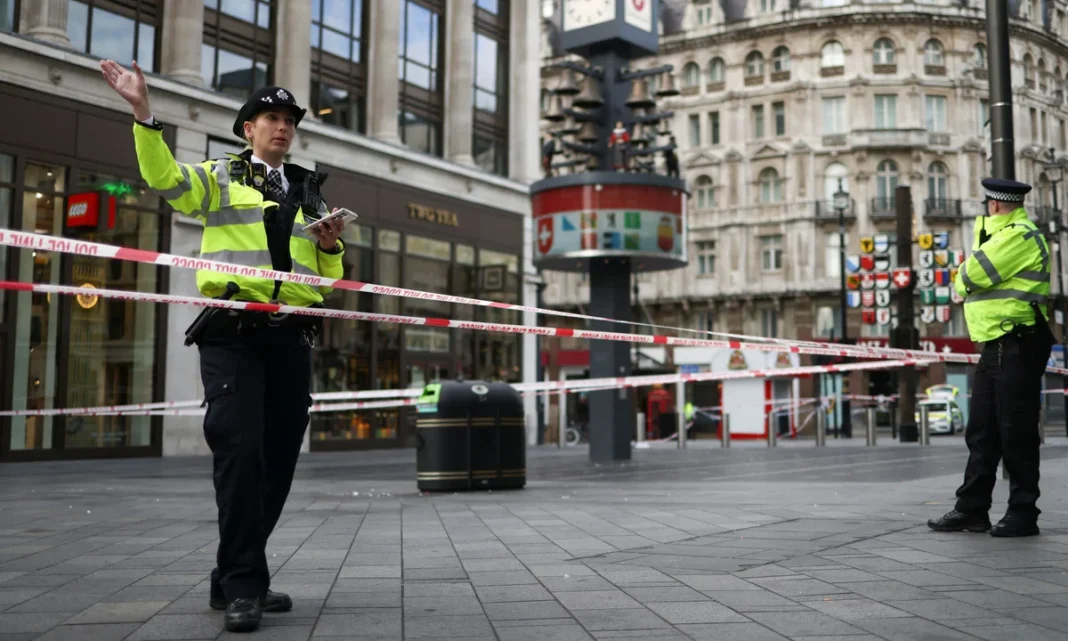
243,615
955,521
273,602
1013,525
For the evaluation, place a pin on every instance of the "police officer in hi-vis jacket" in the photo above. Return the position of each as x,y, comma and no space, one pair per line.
256,368
1005,285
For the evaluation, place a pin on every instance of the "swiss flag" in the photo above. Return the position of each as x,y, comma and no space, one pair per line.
545,234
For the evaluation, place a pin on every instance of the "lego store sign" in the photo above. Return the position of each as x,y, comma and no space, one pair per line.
83,210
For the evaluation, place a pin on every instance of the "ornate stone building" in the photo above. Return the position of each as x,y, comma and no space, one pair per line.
782,102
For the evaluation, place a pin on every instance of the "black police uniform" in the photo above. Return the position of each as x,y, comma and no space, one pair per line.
1004,419
256,372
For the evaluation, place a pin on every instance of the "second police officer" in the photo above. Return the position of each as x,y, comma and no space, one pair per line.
256,368
1005,284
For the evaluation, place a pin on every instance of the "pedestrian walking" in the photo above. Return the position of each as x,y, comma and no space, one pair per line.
1005,284
255,367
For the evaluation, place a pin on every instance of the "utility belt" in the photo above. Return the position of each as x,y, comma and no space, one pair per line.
218,322
1018,331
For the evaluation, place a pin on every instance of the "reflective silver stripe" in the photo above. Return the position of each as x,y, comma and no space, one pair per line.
988,267
298,232
968,282
245,258
222,178
231,216
1037,235
303,269
205,202
1001,294
1042,277
174,193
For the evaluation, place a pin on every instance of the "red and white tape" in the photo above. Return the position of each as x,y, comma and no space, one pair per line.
43,242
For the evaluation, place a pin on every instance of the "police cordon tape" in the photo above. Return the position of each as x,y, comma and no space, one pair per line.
43,242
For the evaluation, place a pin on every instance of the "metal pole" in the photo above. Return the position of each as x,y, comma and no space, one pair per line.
846,422
680,409
562,411
773,429
1063,307
872,436
997,41
925,426
821,427
725,431
905,335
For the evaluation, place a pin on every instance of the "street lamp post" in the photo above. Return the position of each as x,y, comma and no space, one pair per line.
841,202
1055,173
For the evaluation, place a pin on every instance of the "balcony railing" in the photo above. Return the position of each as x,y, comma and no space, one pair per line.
825,211
942,208
883,208
889,138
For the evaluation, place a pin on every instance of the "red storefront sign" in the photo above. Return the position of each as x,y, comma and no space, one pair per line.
83,210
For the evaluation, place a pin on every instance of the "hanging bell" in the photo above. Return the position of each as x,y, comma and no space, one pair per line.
667,85
590,97
569,127
568,85
556,109
639,95
588,132
592,163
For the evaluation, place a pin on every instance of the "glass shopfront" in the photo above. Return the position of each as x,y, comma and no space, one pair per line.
61,351
354,356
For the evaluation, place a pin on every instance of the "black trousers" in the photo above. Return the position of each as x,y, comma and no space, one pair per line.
1003,422
257,386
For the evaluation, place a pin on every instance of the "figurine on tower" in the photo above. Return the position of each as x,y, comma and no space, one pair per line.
619,141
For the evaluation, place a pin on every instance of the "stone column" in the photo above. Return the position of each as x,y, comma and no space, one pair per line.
293,50
46,20
460,80
383,87
183,29
524,95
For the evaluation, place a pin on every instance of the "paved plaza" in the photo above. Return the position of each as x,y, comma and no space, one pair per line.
743,544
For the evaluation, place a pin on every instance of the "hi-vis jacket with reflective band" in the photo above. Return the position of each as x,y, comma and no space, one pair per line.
1001,278
233,223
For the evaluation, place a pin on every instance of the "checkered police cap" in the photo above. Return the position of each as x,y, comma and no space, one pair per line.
1004,190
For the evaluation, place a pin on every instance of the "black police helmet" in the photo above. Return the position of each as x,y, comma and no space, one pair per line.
263,99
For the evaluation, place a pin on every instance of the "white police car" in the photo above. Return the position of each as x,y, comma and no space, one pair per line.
943,414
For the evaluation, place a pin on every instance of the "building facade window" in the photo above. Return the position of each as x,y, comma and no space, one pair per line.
758,121
832,257
119,30
237,53
717,71
421,47
706,257
713,125
695,130
704,14
886,112
882,52
935,113
778,110
339,71
938,184
754,65
780,59
834,176
979,56
770,187
771,253
886,177
834,115
832,55
691,75
934,54
490,143
769,323
7,16
705,192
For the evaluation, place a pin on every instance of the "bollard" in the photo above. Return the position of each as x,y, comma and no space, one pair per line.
925,426
640,428
821,428
725,431
872,438
773,432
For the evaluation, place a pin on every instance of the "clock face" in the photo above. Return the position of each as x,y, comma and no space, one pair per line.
585,13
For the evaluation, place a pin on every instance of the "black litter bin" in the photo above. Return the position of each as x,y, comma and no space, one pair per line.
470,436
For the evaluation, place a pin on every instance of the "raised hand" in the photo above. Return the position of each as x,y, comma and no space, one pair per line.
130,85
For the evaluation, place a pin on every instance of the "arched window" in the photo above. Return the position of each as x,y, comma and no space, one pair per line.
754,65
885,183
780,59
1029,70
882,53
705,192
717,70
1043,82
835,172
691,75
938,184
832,55
770,186
979,56
934,54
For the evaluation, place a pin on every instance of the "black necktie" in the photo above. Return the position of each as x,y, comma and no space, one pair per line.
275,191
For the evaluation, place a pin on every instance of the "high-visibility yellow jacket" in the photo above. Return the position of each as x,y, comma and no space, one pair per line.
1001,279
232,214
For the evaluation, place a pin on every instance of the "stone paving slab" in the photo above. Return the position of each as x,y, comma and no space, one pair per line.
750,544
